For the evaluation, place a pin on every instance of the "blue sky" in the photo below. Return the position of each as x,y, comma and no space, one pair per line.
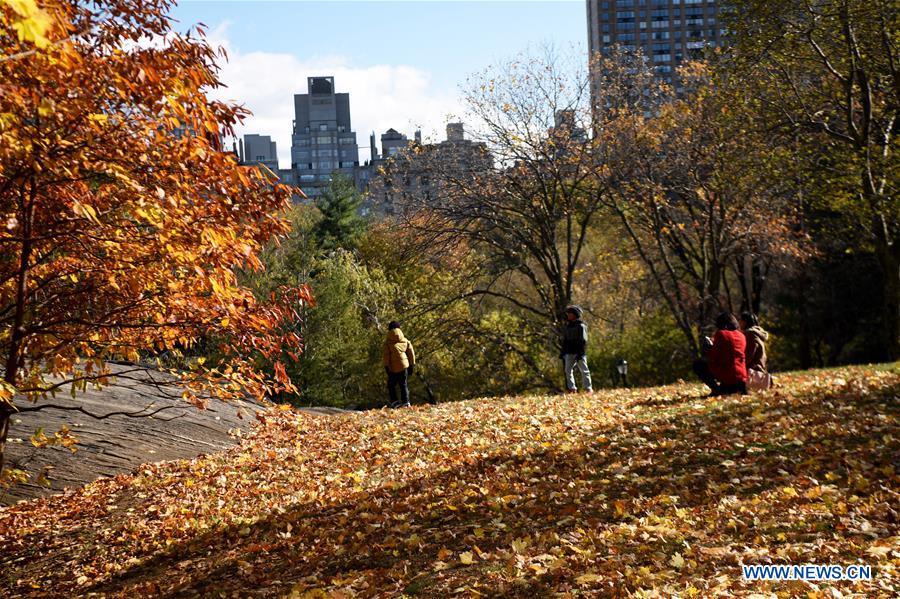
401,61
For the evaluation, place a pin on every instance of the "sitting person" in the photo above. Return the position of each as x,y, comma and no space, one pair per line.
757,368
723,368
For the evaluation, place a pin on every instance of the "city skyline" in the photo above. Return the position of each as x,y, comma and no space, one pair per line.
399,74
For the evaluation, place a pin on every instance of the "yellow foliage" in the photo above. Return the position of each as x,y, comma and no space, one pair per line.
32,24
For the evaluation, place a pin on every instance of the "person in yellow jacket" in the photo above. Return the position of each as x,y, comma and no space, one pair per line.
399,362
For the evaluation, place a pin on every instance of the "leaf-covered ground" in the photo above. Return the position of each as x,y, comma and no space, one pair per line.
647,492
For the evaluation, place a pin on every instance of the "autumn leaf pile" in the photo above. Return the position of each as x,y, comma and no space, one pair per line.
647,492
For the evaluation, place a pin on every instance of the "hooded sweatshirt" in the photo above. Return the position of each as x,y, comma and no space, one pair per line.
756,348
397,352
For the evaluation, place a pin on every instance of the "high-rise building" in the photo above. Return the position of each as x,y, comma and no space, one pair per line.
418,175
323,142
667,31
565,122
392,142
259,149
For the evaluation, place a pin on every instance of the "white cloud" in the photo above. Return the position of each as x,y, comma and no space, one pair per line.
381,96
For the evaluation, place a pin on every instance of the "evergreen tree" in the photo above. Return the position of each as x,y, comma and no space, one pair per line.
341,224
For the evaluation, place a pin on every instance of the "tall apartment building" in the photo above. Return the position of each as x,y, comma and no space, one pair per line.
667,31
323,142
259,149
392,143
418,176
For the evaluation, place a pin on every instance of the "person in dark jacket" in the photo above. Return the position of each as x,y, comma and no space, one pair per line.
724,369
399,362
574,350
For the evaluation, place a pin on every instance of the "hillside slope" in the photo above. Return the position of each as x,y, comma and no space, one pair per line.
654,492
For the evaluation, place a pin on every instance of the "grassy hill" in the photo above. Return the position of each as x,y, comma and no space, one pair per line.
646,492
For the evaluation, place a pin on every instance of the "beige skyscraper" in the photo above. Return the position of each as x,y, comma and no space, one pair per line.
667,31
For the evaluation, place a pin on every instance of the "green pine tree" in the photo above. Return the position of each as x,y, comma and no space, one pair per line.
341,224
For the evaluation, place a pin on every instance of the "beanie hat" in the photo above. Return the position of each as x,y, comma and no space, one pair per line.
576,310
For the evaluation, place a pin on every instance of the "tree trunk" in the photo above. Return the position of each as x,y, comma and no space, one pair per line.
805,349
759,279
17,337
889,259
5,417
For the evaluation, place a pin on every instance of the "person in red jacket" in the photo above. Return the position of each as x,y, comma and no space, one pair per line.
723,368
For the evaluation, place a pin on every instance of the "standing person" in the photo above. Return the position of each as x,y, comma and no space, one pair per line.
725,370
399,362
758,377
574,350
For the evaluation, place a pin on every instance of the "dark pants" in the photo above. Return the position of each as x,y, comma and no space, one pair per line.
701,369
398,379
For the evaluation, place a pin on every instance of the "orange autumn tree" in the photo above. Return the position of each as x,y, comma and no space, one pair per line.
121,220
